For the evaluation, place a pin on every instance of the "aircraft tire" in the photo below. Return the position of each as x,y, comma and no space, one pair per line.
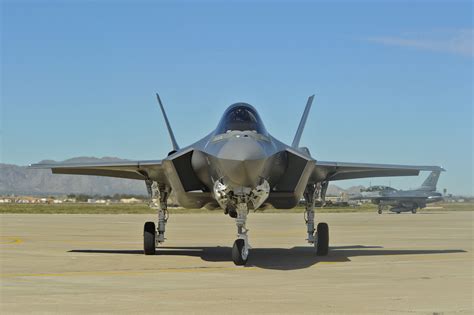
413,211
322,242
380,208
149,235
239,257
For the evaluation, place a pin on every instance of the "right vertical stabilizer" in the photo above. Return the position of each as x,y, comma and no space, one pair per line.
168,125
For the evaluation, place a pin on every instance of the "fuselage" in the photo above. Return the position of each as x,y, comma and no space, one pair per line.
403,198
240,159
239,153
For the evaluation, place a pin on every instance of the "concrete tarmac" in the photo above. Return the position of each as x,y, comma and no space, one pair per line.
390,263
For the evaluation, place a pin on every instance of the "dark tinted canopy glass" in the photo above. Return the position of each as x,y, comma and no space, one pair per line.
241,117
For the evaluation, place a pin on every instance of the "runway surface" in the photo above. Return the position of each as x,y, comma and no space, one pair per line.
402,263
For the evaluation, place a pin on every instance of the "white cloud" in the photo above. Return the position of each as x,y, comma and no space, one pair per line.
459,42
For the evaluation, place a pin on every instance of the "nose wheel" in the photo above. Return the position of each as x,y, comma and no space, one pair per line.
240,252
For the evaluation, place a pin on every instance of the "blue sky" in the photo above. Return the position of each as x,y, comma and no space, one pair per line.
393,81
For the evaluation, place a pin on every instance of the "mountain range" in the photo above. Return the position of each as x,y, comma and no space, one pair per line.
20,180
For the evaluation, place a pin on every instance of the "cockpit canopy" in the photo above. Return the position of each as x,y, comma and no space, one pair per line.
242,117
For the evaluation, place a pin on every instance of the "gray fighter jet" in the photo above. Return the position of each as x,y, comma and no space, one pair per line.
404,200
238,166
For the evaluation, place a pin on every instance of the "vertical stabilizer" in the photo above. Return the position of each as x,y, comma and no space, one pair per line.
431,181
170,131
299,131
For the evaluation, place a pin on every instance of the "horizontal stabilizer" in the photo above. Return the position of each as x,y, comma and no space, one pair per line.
125,169
329,171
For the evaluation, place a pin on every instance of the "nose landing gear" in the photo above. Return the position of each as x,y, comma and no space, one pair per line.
240,250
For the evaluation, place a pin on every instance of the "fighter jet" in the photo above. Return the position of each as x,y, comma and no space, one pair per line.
237,167
404,200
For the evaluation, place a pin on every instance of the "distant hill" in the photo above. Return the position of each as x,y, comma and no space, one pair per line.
334,190
354,189
20,180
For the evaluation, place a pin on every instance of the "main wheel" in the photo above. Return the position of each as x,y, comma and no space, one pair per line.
239,252
413,210
322,241
380,209
149,234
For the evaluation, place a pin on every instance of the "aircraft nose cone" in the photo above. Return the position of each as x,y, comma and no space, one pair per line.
241,149
242,161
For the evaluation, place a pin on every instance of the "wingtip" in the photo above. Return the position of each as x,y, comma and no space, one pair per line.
437,168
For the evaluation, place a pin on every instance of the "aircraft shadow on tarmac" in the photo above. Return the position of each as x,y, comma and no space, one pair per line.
277,258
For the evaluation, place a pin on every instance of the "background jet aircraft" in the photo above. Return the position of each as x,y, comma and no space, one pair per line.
238,166
404,200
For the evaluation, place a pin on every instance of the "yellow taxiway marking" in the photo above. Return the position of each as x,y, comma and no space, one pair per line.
126,272
10,240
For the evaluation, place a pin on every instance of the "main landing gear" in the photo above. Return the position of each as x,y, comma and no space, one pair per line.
320,237
153,236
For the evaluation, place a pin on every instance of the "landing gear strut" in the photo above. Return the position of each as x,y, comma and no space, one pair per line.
240,250
320,237
153,236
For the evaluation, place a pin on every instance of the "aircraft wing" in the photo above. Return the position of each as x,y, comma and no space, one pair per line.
329,171
127,169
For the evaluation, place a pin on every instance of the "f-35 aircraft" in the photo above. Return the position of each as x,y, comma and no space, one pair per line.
404,200
238,166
